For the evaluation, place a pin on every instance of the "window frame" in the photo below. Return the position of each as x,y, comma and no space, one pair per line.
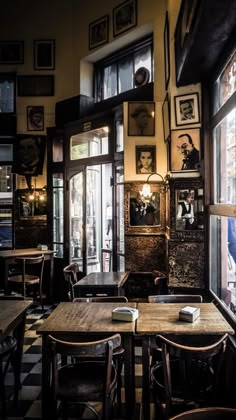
114,59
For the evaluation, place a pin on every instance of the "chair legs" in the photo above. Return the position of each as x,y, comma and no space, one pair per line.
3,371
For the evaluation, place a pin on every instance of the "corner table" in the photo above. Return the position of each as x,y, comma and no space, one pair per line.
109,283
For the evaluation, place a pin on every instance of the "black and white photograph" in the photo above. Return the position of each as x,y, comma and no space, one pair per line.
187,109
189,209
35,118
98,32
144,212
29,152
44,54
145,159
141,118
185,150
124,17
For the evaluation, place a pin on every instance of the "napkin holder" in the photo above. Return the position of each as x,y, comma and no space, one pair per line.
124,314
189,313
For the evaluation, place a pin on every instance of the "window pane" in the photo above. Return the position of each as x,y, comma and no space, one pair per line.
225,160
223,259
6,152
125,70
7,96
88,144
58,214
143,58
57,148
110,81
5,228
119,136
225,85
6,185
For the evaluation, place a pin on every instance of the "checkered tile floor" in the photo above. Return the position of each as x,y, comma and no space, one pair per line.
29,403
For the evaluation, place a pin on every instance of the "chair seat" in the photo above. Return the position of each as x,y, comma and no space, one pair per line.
77,381
28,279
7,345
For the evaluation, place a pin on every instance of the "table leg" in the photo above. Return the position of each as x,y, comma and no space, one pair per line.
129,376
146,377
46,390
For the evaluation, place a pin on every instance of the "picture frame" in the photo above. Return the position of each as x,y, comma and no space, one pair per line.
98,32
141,118
11,52
166,51
185,150
35,118
145,158
35,85
124,17
166,118
191,218
29,154
44,54
187,109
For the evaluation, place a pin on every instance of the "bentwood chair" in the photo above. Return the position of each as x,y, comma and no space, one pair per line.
71,275
91,378
31,276
119,352
189,371
208,413
8,347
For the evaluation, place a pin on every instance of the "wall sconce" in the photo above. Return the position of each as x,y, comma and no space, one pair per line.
146,190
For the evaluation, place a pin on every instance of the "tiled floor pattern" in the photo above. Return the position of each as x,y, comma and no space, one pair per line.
29,403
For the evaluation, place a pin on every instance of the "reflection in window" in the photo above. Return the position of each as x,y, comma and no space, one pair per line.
88,144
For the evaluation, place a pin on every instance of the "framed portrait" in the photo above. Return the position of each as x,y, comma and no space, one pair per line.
166,118
35,85
124,17
189,209
166,51
141,118
185,150
98,32
44,54
35,118
28,155
145,157
11,52
187,109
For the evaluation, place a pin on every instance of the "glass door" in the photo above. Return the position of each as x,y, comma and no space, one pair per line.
91,218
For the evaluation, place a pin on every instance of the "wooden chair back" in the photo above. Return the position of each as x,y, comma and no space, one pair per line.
208,413
202,351
175,299
71,273
101,299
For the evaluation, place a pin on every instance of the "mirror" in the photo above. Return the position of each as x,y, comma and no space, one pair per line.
144,212
189,209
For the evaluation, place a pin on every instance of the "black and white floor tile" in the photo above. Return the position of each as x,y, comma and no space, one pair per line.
29,402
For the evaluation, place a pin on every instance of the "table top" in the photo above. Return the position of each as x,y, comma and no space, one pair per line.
9,253
84,318
107,279
163,318
10,312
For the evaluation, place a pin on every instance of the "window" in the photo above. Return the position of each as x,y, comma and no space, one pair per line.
115,74
223,211
7,94
58,214
6,194
88,144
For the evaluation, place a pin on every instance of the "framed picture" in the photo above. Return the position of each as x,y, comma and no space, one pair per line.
187,109
11,52
166,51
44,54
29,152
185,150
145,159
35,118
35,85
124,17
189,209
141,118
166,118
98,32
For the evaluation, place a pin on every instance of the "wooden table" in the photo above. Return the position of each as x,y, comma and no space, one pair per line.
12,318
157,318
74,321
101,283
8,257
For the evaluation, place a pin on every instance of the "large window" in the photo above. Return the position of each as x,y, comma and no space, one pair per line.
6,195
115,74
223,210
